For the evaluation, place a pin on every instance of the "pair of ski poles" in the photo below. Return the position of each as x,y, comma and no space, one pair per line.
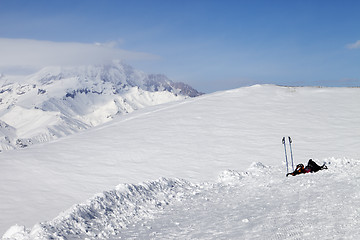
286,158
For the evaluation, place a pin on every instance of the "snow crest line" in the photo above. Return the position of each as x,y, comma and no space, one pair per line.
240,201
107,213
157,108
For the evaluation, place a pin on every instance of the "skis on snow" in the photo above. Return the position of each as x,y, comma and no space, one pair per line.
291,154
287,167
292,159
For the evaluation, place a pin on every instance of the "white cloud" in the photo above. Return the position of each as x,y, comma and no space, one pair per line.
30,55
354,45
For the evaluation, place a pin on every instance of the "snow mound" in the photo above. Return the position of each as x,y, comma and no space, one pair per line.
16,232
258,168
175,208
230,177
107,213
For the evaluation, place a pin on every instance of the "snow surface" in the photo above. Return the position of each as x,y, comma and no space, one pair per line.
257,204
198,140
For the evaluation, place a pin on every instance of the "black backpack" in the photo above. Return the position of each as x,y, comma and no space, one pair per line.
314,167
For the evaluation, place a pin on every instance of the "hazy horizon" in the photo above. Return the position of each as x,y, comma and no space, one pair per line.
210,45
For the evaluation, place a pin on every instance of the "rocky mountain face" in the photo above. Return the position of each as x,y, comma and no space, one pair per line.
58,101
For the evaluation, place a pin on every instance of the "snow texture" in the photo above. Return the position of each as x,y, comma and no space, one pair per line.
227,146
259,204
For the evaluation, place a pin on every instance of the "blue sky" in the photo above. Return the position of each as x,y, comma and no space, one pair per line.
212,45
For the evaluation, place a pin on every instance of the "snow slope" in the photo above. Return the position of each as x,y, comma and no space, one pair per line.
59,101
256,204
194,139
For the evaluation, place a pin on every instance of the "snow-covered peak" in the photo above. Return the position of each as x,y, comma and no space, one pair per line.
80,97
116,73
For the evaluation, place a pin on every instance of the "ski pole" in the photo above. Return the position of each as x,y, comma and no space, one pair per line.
287,168
292,159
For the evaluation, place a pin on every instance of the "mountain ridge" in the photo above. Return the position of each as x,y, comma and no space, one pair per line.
77,98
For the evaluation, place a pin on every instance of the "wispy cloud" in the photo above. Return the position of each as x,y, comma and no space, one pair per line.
354,45
34,54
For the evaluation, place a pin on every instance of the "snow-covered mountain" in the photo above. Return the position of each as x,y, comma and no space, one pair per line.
59,101
212,142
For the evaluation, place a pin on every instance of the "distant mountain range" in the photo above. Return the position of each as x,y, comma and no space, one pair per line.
58,101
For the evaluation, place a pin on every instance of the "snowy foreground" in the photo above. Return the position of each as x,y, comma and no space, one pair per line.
197,140
257,204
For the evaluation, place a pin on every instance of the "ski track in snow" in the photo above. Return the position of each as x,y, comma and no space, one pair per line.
258,204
